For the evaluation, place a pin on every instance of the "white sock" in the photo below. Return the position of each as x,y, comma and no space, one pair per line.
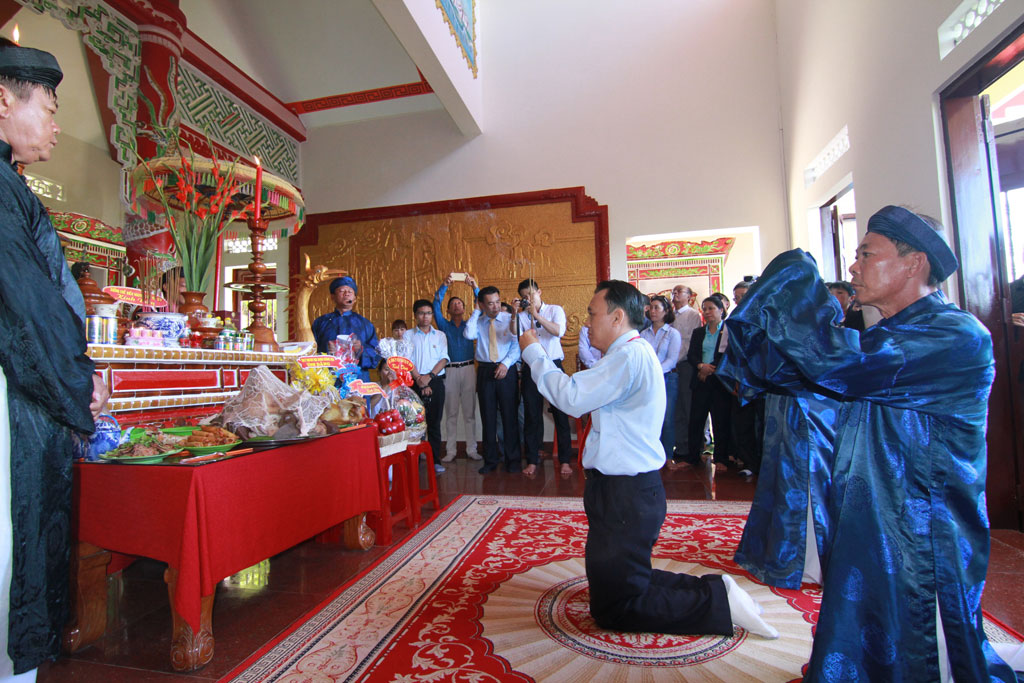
745,611
1011,653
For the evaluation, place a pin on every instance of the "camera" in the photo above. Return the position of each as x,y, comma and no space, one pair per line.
524,304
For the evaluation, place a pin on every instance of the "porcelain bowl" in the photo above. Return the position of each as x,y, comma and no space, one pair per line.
173,325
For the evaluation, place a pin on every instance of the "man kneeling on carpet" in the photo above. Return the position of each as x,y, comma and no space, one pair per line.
624,497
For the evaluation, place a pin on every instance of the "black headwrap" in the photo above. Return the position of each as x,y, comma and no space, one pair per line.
29,64
897,223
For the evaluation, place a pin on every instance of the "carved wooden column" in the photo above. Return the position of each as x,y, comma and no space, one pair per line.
161,26
160,41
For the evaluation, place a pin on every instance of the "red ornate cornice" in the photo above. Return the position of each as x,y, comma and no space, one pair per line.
584,209
165,14
391,92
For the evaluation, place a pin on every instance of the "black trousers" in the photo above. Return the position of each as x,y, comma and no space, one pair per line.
684,401
624,516
711,397
747,428
499,396
435,407
533,426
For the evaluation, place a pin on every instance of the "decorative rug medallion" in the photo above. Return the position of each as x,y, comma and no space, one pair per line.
493,589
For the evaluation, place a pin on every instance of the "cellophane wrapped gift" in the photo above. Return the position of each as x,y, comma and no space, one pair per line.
389,346
412,410
266,406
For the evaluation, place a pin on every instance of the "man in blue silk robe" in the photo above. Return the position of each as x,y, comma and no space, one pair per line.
343,320
906,540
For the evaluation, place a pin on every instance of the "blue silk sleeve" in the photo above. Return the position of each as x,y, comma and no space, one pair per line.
368,335
787,327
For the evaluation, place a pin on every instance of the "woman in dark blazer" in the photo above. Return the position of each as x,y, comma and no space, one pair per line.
707,345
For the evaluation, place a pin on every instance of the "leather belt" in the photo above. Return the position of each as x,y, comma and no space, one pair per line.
460,364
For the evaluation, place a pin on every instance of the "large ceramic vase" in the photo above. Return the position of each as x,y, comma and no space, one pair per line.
194,308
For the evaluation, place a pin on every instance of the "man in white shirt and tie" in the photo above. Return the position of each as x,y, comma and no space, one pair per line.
496,378
624,497
548,320
429,358
687,320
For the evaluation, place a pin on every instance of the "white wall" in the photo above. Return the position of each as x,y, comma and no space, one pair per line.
424,32
81,160
666,111
875,67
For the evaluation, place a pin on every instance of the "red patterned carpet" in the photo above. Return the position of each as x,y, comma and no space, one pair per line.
493,589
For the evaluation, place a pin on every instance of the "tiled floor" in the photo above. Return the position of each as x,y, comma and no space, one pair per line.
252,608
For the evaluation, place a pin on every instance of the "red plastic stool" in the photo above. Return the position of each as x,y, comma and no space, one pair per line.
396,502
421,497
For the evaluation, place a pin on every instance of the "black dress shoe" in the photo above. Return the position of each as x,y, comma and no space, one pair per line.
513,469
487,469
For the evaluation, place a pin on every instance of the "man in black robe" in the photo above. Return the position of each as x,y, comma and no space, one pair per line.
51,388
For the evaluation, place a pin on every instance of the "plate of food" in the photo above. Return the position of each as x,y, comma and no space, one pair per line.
276,441
140,453
209,439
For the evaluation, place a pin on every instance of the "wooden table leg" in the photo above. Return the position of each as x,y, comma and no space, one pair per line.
88,596
356,534
189,651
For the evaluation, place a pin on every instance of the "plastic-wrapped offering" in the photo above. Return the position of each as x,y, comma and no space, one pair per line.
343,349
410,407
390,346
266,404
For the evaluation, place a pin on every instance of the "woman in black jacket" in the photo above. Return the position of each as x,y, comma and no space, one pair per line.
707,345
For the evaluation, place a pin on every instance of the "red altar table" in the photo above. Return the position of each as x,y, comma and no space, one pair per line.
212,520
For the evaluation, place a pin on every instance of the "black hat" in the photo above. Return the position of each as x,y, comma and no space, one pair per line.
30,65
898,223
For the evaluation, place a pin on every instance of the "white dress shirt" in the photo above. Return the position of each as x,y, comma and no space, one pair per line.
665,343
687,320
552,344
427,349
588,354
624,393
478,328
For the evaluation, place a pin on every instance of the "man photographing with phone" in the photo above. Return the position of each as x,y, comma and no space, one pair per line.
548,321
460,387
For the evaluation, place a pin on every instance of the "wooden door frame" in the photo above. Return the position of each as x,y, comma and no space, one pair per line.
983,285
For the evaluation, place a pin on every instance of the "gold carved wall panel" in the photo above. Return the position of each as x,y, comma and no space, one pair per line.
396,260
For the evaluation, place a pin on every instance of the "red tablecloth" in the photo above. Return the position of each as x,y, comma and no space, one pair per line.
213,520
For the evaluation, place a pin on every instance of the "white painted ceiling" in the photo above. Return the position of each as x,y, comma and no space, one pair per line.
305,49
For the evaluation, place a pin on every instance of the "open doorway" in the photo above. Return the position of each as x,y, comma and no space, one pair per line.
838,234
983,120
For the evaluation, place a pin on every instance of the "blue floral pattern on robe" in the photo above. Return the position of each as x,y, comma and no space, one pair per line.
906,506
797,462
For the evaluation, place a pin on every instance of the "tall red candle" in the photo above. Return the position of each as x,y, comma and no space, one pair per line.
259,189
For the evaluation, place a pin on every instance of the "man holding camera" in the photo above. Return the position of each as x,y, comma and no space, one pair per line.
548,321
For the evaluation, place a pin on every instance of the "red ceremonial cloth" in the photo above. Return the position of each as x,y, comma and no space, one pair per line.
213,520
